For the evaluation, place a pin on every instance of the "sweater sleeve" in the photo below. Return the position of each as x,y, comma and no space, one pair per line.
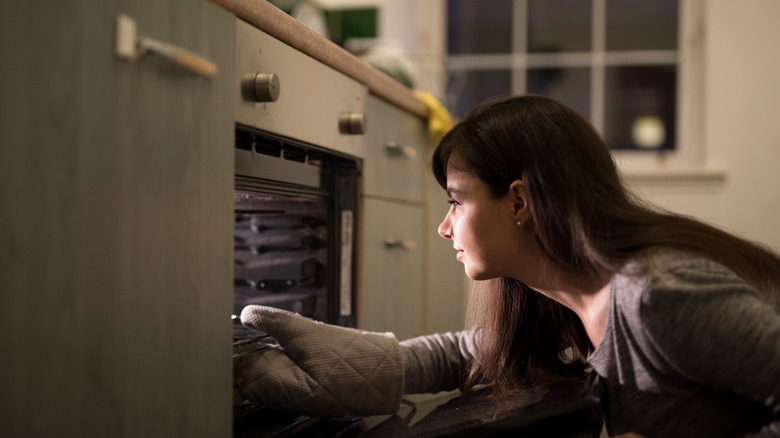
731,338
438,362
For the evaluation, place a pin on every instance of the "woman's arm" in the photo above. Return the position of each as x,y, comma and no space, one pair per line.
437,362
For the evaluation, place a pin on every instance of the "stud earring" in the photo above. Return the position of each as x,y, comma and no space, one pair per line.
519,224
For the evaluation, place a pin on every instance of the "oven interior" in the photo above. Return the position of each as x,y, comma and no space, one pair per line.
281,253
294,211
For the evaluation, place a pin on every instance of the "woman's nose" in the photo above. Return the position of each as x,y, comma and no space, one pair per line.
445,228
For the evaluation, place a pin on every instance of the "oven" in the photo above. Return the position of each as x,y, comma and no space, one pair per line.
294,208
294,246
299,145
298,150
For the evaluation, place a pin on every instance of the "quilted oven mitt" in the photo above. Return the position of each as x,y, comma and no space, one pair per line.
320,370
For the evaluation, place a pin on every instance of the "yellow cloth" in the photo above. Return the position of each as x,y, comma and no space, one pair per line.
439,120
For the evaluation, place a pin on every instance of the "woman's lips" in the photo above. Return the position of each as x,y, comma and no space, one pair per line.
459,254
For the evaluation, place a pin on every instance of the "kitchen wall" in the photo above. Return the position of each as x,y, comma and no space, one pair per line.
739,124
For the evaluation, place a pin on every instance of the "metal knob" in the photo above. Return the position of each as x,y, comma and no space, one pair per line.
352,123
260,87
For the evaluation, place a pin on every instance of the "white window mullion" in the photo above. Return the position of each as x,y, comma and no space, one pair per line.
519,46
598,57
559,60
690,86
641,57
480,62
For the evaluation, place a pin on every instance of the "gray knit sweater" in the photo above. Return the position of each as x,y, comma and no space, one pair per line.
690,350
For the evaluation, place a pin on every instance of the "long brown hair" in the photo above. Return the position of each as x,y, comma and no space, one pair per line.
583,218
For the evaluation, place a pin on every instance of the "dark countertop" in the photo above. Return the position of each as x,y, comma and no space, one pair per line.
275,22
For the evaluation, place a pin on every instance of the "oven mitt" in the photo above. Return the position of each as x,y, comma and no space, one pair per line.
320,370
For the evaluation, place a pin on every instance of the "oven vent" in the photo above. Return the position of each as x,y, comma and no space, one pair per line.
294,153
263,143
267,146
243,140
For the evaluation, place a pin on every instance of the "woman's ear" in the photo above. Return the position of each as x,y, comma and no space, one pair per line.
519,199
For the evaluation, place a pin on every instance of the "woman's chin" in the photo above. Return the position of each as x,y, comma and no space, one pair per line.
477,275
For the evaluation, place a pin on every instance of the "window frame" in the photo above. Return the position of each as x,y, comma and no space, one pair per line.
688,158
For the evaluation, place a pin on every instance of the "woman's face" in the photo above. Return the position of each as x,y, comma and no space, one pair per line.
483,230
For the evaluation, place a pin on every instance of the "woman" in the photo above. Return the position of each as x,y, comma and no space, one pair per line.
681,321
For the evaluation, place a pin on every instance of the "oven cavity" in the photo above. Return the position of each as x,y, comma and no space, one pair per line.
280,252
294,207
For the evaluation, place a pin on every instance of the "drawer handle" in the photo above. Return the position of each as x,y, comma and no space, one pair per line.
128,46
400,244
397,149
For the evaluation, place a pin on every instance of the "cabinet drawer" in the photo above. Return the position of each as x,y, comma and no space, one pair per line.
391,279
313,102
395,143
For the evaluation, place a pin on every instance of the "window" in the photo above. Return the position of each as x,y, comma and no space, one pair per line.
620,63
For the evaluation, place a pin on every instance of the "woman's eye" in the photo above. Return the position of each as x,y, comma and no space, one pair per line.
453,202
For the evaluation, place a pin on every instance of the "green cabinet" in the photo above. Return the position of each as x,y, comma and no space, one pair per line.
116,192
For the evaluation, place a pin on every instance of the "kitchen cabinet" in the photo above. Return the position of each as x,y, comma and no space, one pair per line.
392,280
116,184
406,286
394,168
410,282
391,294
447,286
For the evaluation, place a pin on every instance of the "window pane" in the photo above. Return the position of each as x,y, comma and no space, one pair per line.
639,107
468,88
569,85
641,24
559,25
483,26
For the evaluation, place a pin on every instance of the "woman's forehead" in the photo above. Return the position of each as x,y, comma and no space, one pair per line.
456,162
459,179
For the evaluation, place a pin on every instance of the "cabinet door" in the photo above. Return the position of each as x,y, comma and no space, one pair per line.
394,161
447,285
116,230
391,276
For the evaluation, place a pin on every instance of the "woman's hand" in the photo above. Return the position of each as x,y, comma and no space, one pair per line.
320,370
